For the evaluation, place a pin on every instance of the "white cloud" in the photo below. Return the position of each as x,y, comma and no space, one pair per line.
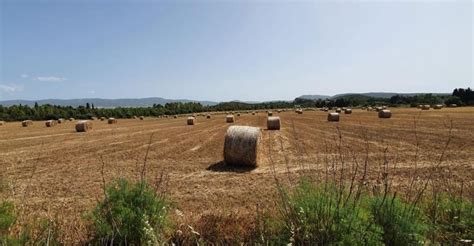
51,79
24,76
91,92
12,88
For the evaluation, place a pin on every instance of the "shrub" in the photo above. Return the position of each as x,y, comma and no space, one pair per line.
318,215
131,213
452,218
402,223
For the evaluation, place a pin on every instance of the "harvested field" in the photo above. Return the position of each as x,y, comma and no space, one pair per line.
59,171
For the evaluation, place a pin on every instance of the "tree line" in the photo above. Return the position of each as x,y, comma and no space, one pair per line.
460,96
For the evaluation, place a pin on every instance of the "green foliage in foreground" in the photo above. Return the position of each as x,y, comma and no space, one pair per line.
130,214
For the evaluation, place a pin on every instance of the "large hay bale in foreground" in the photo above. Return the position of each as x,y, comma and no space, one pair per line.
241,146
273,123
50,123
229,118
438,106
348,111
333,117
191,120
26,123
83,126
112,121
385,113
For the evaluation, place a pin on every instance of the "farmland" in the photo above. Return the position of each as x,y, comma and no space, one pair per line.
56,172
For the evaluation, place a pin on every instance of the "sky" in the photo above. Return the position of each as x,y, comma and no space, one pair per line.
232,50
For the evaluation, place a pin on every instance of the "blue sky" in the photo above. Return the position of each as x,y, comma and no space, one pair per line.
226,50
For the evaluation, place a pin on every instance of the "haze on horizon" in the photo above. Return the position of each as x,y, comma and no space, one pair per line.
222,51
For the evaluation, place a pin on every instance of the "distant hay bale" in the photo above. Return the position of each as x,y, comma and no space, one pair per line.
348,111
102,118
83,126
384,107
229,118
378,109
385,113
253,113
438,106
273,123
338,110
61,120
93,118
420,106
426,107
142,117
112,121
270,113
242,146
50,123
333,117
71,119
191,120
299,111
175,117
325,109
369,108
26,123
134,117
208,116
238,114
453,105
2,123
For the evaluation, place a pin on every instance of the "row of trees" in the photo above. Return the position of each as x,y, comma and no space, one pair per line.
459,96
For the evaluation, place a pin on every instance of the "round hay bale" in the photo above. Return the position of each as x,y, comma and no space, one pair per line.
378,109
83,126
273,123
238,114
384,107
93,118
438,106
420,106
175,117
426,107
385,113
102,118
112,121
71,119
338,110
26,123
453,105
50,123
241,146
61,120
229,118
270,113
208,116
142,117
134,117
325,109
348,111
191,120
2,123
333,117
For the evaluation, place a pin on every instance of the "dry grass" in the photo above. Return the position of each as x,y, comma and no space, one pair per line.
63,186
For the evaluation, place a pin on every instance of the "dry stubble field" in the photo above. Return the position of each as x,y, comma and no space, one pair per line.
56,172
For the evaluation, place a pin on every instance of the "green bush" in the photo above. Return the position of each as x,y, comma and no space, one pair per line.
131,213
452,218
402,223
316,215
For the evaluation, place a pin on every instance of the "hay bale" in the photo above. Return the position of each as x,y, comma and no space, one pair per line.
426,107
238,114
325,109
61,120
229,118
26,123
50,123
71,119
253,113
270,113
438,106
338,110
112,121
384,107
93,118
273,123
102,118
2,123
83,126
175,117
378,109
453,105
241,146
348,111
191,120
208,116
385,113
333,117
134,117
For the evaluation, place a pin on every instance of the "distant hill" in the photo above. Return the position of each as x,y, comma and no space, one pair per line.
104,103
387,94
314,97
